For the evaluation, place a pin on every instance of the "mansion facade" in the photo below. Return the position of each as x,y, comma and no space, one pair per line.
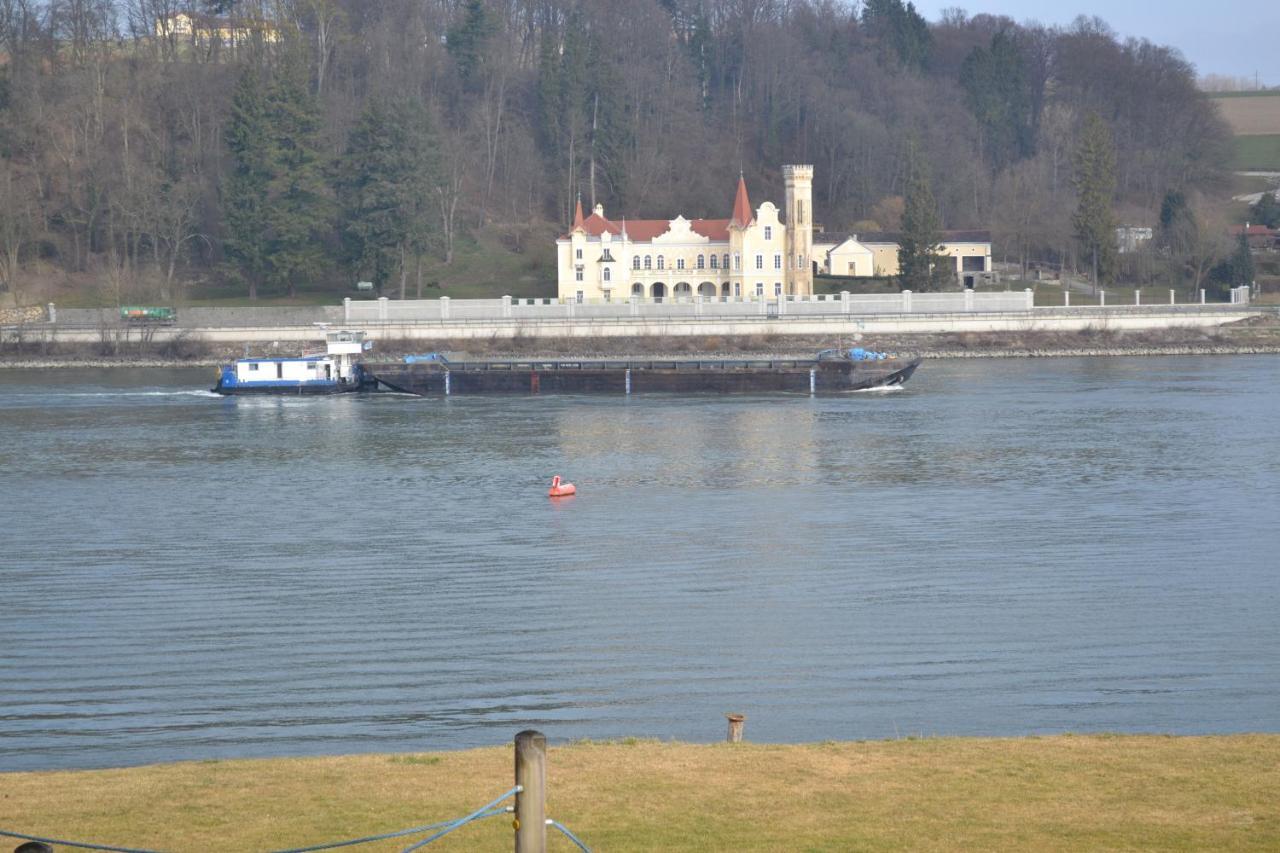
760,253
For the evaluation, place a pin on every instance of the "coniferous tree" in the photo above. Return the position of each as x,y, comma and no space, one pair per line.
1266,211
245,192
298,201
920,267
465,42
995,87
383,185
901,28
1242,268
1095,183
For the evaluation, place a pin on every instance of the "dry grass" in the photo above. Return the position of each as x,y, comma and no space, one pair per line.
1056,793
1251,115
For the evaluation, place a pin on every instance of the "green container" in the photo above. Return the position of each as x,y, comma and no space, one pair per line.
147,314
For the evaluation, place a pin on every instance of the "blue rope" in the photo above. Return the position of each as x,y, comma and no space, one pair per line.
72,843
414,831
484,811
558,825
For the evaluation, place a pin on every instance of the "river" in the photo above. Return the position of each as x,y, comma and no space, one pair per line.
1005,547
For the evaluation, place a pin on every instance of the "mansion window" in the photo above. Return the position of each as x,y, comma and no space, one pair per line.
715,262
726,261
759,262
799,212
702,260
737,288
635,262
606,274
661,262
577,275
737,261
777,288
768,232
759,288
579,297
799,262
579,254
679,263
648,261
777,262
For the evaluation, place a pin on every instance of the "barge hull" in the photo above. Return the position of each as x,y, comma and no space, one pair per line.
824,377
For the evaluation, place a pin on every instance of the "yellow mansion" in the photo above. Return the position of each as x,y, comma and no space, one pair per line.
753,253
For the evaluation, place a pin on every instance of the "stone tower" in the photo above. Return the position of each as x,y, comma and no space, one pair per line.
799,208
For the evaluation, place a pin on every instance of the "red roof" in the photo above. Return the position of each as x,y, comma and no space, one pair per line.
645,230
741,205
1256,231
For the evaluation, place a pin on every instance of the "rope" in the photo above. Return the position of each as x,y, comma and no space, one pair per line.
484,811
79,844
414,831
569,835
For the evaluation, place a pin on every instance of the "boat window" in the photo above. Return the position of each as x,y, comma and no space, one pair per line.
253,365
279,370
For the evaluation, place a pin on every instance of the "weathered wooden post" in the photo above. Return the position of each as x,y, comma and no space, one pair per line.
531,799
736,722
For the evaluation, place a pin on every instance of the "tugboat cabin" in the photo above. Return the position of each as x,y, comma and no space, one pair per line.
331,372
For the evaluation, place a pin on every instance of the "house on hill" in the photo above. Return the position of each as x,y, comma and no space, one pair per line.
755,253
206,30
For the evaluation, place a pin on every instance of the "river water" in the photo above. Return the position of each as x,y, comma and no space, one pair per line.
1002,548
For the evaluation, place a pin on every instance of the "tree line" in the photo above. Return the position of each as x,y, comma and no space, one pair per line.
331,140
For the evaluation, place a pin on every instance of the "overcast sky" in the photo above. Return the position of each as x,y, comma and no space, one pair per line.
1233,37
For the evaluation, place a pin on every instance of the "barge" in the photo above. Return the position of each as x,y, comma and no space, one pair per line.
333,371
831,371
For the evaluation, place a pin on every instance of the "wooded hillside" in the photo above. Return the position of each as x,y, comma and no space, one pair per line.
330,140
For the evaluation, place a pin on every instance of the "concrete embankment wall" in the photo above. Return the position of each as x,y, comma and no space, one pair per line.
1127,318
212,318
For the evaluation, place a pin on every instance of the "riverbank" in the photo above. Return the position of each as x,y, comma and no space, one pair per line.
1042,793
1261,335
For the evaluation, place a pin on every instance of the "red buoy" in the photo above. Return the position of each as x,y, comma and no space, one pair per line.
560,490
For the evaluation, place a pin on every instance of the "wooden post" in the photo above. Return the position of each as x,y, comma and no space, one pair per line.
736,722
531,799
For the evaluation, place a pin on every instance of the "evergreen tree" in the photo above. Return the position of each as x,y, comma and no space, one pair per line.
901,28
1095,183
244,193
994,81
298,202
383,185
920,267
465,42
1242,269
1266,211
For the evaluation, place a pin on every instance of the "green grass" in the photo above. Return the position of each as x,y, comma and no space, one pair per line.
1045,794
1257,153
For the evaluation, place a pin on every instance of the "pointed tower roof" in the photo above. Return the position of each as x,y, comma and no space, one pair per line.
577,215
741,205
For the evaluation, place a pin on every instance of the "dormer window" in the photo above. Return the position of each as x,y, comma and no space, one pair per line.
606,258
768,232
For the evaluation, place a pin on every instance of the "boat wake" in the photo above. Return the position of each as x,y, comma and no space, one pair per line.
880,389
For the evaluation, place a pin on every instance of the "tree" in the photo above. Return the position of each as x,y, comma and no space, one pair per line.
1242,269
1095,184
298,203
920,267
245,191
994,81
383,181
466,41
1266,211
900,27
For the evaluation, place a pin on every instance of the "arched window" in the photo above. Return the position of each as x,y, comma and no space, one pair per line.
702,261
635,262
648,262
606,274
683,290
661,262
658,290
637,289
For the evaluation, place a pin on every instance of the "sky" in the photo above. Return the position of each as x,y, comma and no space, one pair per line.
1230,37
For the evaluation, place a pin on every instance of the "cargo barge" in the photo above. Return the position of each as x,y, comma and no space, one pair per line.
831,371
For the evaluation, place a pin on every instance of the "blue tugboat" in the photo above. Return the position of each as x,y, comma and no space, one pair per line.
331,372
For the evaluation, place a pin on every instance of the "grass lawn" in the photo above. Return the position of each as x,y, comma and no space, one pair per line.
1257,153
1052,793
